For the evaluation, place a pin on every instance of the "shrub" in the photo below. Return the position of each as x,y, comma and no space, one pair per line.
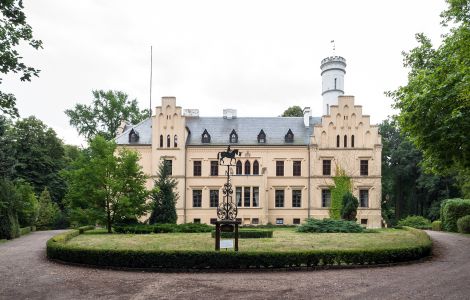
349,207
82,229
463,224
9,200
418,222
49,211
436,225
25,230
329,225
246,234
163,228
29,205
452,210
137,258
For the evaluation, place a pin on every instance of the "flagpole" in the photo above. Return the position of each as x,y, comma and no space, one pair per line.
151,67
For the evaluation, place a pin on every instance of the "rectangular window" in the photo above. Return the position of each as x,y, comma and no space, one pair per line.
279,198
255,196
325,198
279,168
279,221
197,168
327,167
246,196
364,167
169,163
214,168
364,222
255,221
238,195
296,221
197,221
296,198
297,168
213,220
197,198
364,198
214,198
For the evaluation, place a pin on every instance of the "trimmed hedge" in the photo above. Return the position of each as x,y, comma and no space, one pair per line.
82,229
463,224
329,225
25,230
246,234
163,228
436,226
452,210
58,249
417,222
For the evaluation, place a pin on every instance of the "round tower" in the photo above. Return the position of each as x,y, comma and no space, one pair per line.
333,69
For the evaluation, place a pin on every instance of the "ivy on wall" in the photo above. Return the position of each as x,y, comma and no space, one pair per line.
341,187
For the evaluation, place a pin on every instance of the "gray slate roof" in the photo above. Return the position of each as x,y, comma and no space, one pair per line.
247,129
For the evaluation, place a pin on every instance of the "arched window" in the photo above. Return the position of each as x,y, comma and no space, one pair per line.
247,167
352,141
233,137
168,141
161,140
175,141
206,137
337,141
262,137
289,137
345,141
256,168
133,136
239,168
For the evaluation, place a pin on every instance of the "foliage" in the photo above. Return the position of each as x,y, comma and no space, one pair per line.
452,210
164,197
106,187
49,211
436,226
14,30
293,111
163,228
85,228
463,224
28,211
342,187
434,105
349,207
25,230
9,202
104,116
417,222
329,225
7,150
58,249
406,188
40,156
246,234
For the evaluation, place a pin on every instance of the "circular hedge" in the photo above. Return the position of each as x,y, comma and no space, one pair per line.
246,234
58,249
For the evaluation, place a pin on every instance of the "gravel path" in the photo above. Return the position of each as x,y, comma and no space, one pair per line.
25,273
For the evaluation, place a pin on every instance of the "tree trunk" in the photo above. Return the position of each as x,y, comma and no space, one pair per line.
108,212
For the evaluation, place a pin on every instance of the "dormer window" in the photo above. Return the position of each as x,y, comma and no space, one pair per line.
206,137
133,136
289,138
233,137
262,137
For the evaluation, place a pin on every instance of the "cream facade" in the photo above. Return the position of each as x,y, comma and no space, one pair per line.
286,165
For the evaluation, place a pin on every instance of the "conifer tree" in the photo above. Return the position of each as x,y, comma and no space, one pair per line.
164,197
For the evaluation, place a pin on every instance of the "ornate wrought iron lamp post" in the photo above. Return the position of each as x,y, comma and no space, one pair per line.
227,209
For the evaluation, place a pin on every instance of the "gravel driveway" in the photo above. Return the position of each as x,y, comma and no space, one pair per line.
25,273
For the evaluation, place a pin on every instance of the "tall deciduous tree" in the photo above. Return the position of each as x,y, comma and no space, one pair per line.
7,150
14,29
40,156
293,111
104,116
105,187
164,197
435,104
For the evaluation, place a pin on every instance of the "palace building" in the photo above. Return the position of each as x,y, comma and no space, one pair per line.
287,164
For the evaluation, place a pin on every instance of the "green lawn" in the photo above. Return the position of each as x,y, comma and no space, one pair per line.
286,239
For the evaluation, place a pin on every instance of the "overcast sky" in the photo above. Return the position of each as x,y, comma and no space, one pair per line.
258,57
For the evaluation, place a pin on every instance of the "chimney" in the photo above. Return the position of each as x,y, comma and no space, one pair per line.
191,112
230,113
307,115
